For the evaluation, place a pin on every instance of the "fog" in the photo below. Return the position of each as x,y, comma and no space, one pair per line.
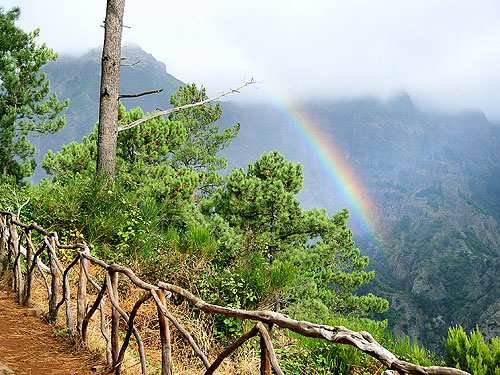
445,54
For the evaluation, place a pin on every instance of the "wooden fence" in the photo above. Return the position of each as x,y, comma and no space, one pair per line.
25,260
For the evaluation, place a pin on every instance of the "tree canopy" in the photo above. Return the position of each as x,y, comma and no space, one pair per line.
309,256
25,105
163,159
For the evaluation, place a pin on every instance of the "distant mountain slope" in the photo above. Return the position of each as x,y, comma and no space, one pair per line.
436,182
434,178
78,78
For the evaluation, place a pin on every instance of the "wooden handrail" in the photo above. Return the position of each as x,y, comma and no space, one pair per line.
10,242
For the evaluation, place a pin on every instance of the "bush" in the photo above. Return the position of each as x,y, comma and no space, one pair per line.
471,353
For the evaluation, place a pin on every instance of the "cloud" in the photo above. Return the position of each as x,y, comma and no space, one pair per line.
444,53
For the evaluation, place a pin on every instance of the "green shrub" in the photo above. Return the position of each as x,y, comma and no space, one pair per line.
471,353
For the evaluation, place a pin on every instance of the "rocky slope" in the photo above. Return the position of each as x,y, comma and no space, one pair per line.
435,179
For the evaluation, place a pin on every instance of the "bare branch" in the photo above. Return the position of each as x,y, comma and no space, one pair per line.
21,206
134,63
187,106
139,94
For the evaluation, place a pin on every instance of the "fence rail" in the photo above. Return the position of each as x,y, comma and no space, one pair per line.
25,260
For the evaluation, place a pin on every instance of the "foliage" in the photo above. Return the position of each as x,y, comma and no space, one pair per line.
307,258
168,161
471,353
25,104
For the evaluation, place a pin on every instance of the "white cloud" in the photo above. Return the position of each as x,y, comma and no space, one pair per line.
444,53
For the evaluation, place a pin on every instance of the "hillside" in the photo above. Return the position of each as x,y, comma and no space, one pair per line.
434,179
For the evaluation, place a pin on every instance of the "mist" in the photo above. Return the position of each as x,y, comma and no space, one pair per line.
445,55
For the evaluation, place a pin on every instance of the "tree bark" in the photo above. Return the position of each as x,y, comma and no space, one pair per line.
109,92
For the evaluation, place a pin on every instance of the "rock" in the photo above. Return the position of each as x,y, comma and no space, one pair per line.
4,370
34,312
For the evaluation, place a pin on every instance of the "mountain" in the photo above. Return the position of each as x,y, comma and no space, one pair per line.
79,79
434,180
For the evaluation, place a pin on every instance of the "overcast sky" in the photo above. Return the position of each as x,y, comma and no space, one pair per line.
444,53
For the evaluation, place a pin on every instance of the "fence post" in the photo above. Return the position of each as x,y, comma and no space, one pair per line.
81,296
54,283
166,348
115,321
3,241
14,254
29,269
265,363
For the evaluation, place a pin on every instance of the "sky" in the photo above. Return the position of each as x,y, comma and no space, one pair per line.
444,53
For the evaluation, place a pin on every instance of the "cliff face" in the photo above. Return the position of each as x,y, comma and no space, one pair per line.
434,179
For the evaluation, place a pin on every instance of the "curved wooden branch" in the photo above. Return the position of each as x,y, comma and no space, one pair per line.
338,334
133,313
84,265
167,366
49,291
40,263
126,318
81,295
269,345
181,329
187,106
109,358
231,348
92,310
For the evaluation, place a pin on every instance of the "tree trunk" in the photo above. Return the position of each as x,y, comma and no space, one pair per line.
110,79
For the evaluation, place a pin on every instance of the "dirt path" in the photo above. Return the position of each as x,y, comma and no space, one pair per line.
30,346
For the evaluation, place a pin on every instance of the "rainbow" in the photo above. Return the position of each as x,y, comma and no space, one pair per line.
327,153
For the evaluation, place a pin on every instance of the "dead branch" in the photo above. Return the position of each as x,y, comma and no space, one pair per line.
134,63
140,94
187,106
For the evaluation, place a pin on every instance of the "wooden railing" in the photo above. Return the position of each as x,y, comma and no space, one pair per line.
25,260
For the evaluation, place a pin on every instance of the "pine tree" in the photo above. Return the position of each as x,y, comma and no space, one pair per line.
203,139
261,210
25,104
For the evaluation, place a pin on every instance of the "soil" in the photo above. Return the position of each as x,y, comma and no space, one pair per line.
30,346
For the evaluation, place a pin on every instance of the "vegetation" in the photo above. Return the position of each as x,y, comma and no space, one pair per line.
25,104
471,353
243,240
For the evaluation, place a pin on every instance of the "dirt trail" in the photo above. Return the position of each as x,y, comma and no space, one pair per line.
30,346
